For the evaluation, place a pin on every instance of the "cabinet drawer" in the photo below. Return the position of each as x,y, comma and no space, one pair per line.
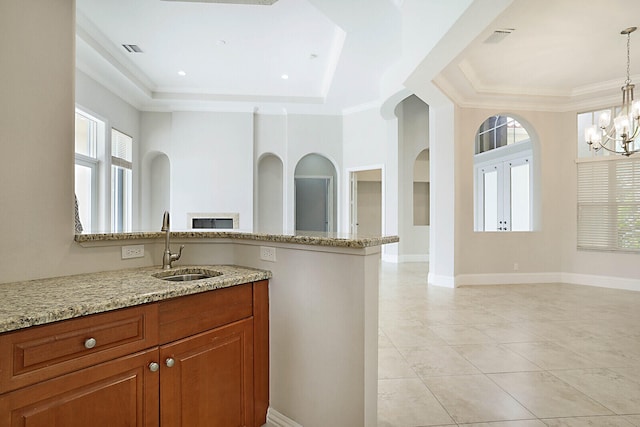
37,354
189,315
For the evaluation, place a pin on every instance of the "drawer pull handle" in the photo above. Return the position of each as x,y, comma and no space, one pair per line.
170,362
90,343
153,367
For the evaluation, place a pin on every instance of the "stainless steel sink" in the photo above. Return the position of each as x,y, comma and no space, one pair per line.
187,274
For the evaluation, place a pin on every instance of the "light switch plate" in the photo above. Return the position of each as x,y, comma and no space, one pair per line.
132,251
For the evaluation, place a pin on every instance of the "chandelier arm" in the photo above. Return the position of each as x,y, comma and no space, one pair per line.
612,131
609,149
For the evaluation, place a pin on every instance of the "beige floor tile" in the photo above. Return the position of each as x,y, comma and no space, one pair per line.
605,354
390,319
412,336
437,361
560,331
508,333
474,398
461,334
519,423
611,389
631,373
407,402
391,364
603,421
549,355
492,358
557,327
633,419
547,396
383,340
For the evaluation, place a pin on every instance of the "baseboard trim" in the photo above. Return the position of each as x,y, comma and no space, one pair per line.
507,279
276,419
537,278
602,281
442,281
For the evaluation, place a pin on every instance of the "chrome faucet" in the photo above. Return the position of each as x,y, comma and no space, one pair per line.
168,257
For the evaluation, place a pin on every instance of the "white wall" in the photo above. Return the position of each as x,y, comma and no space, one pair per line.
211,156
155,143
36,94
270,190
313,134
270,138
37,122
495,253
413,119
370,142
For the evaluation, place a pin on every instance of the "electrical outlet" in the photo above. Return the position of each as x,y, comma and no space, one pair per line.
133,251
268,253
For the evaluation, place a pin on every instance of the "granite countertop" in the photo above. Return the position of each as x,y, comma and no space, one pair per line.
301,237
36,302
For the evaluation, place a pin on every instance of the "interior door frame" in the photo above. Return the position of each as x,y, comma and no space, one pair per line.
352,197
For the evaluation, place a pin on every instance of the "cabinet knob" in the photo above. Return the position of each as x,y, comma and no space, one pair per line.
90,343
153,367
170,362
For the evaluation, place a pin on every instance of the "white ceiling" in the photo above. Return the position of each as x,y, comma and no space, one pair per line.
236,52
562,55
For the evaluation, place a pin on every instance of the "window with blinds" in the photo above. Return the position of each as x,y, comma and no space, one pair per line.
609,204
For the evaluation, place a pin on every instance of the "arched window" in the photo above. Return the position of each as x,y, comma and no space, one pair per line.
503,170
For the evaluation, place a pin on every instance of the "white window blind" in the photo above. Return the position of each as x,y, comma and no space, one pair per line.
121,149
609,205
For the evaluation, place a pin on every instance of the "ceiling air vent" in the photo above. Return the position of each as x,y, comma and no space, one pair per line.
132,48
254,2
498,35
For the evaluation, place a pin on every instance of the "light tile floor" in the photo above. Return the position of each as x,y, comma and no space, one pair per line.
506,356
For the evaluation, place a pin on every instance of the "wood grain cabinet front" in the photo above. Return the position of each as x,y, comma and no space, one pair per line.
121,392
39,353
213,372
207,379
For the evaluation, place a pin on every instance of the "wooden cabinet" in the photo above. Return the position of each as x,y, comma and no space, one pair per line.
207,379
122,392
209,350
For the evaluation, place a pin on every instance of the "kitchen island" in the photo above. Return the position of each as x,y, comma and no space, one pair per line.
323,314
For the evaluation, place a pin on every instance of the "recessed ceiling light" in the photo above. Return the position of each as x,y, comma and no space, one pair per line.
313,56
221,42
284,76
182,73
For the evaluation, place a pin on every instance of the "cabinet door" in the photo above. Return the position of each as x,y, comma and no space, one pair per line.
210,382
119,393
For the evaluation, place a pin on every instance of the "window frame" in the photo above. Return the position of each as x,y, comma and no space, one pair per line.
102,175
502,164
94,163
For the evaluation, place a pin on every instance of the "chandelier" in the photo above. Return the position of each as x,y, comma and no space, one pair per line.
618,137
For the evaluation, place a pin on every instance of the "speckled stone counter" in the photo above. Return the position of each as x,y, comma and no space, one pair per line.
305,238
36,302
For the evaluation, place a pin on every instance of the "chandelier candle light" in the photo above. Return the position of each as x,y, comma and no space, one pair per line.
626,125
